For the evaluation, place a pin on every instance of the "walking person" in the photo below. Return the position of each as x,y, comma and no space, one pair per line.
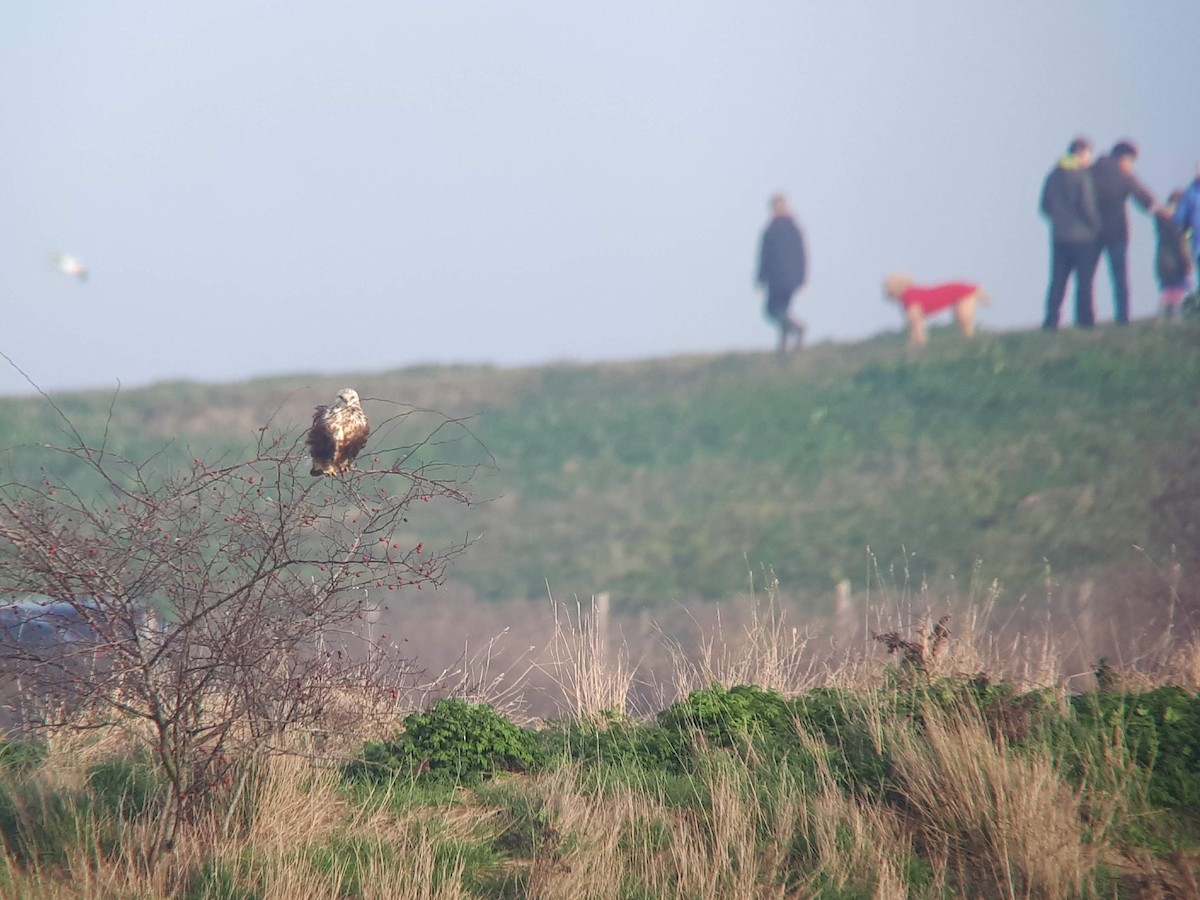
782,270
1115,183
1069,203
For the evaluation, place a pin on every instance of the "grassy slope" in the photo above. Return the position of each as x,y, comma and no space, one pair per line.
667,479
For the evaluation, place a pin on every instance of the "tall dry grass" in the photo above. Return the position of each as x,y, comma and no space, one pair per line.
1007,819
732,842
768,650
740,838
852,842
590,669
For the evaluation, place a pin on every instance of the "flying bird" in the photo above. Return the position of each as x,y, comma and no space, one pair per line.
70,265
338,433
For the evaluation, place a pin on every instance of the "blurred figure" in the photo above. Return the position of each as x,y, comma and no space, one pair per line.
1069,203
781,270
70,265
1171,261
1187,214
1115,183
922,302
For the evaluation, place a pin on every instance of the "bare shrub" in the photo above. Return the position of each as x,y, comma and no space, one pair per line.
920,652
224,605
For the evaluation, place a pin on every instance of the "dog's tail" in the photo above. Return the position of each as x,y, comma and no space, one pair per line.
982,297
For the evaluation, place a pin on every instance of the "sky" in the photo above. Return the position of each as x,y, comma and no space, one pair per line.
317,187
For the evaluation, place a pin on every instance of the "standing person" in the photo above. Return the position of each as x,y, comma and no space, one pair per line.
1172,263
1187,214
781,269
1115,183
1069,202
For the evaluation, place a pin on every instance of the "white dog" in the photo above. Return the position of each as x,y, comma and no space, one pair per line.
921,302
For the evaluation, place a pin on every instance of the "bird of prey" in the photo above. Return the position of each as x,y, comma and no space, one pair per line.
337,434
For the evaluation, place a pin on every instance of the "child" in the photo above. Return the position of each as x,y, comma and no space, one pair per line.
1172,263
922,302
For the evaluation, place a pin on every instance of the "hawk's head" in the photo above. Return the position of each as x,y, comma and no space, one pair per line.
347,397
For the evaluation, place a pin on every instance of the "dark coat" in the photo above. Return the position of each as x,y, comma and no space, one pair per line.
781,259
1113,188
1069,202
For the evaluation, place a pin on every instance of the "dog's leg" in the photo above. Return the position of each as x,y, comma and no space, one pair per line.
964,312
916,326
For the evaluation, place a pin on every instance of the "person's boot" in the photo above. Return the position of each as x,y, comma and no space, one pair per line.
797,329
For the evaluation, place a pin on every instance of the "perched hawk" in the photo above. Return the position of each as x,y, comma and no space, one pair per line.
338,433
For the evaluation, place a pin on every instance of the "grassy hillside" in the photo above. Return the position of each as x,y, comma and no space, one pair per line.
675,478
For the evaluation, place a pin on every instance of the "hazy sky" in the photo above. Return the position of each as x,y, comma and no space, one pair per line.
269,188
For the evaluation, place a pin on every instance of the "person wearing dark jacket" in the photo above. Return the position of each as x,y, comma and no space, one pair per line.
1115,183
781,269
1069,203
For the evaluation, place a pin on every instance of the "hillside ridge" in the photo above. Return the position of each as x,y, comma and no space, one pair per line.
681,478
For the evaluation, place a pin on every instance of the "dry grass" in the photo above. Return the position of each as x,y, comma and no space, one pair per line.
769,652
293,810
852,842
1002,817
485,675
1183,665
739,839
633,840
592,673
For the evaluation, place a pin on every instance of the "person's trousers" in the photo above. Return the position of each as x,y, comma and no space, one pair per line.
1067,258
779,298
1118,252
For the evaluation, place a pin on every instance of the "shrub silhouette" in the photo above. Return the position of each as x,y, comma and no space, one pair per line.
454,741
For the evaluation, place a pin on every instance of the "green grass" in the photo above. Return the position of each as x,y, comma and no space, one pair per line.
667,479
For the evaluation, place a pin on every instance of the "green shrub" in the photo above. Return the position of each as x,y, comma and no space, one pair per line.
727,718
1162,731
616,742
454,741
840,719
